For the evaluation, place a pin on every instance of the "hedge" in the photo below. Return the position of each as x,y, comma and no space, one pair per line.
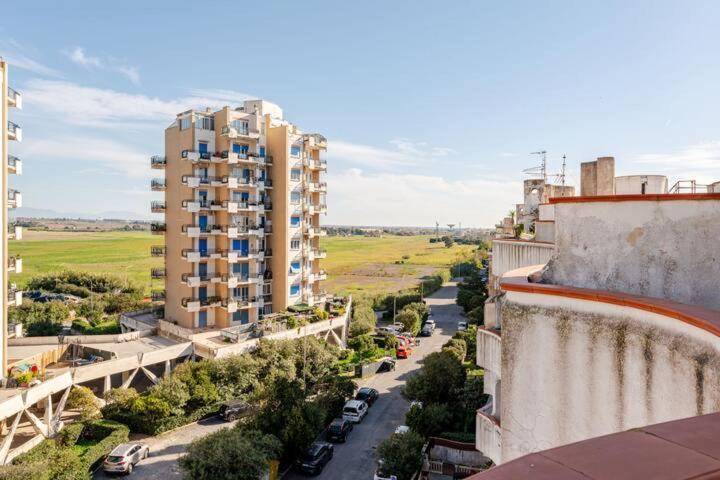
139,424
107,327
112,435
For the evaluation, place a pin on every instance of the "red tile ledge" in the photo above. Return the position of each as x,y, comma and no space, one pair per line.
706,319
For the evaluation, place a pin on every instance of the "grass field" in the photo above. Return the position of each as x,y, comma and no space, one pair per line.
367,264
125,254
354,264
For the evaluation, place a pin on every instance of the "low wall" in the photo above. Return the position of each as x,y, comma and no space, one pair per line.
580,363
86,339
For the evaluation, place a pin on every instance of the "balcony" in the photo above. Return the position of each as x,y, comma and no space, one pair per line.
239,182
14,98
194,206
158,250
193,280
319,276
320,165
14,297
157,273
232,132
158,162
158,228
157,206
268,252
266,182
193,181
318,254
489,350
233,304
195,256
235,280
196,157
14,131
193,304
158,184
14,232
15,264
14,165
14,199
309,232
157,295
488,436
234,256
235,231
194,231
315,140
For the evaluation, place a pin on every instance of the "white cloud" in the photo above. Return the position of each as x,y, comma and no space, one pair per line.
699,162
132,73
78,56
15,55
404,153
113,156
97,107
357,198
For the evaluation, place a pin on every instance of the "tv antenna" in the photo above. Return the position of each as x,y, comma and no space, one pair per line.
540,170
450,226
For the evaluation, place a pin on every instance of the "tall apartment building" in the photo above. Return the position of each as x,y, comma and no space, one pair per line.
11,296
243,196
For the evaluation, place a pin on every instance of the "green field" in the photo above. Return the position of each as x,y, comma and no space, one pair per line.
354,264
125,254
367,264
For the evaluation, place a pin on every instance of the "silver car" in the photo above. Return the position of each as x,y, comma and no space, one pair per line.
125,456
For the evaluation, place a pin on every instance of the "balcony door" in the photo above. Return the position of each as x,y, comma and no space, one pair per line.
241,316
202,197
241,292
203,222
203,147
202,270
202,319
202,292
203,247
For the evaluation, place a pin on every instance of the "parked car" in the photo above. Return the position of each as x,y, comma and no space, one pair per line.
403,351
426,331
431,323
233,410
402,429
367,395
338,430
355,410
387,365
462,326
315,458
385,331
125,456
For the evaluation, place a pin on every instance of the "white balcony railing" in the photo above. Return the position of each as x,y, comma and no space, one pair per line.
14,132
14,165
14,199
488,436
14,98
489,351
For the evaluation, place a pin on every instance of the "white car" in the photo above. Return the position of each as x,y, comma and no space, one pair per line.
354,411
462,326
125,456
430,322
402,429
386,331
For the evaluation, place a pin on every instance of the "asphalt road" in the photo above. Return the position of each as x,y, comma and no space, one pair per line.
355,459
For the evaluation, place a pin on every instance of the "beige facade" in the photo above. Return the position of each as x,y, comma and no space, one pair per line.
243,199
11,133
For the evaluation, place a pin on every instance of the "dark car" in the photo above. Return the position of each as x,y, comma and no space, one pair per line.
233,410
315,458
367,395
387,365
338,430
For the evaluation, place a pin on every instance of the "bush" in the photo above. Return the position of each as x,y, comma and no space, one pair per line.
391,342
440,380
477,315
410,320
110,435
456,347
70,289
429,420
40,319
94,282
83,399
420,308
230,454
401,454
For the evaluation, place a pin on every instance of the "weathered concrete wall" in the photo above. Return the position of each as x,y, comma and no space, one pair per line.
574,369
665,249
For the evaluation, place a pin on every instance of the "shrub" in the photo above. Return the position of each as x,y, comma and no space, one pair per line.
439,381
420,308
401,454
83,399
230,454
429,420
456,347
477,314
391,342
410,320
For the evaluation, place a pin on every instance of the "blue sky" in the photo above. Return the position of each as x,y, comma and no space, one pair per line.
431,108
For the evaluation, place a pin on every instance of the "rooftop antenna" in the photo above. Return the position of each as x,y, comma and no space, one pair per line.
562,177
540,170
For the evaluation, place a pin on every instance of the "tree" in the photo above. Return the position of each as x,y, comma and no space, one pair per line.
449,242
83,399
439,381
410,320
230,454
401,454
456,347
151,408
197,380
173,392
91,310
119,400
420,308
235,376
473,396
429,420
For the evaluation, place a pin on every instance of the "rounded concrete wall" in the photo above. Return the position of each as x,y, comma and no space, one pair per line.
633,184
575,369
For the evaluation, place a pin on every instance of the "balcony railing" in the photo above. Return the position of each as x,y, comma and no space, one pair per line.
14,232
157,250
158,228
268,182
158,162
157,206
14,198
157,295
14,98
195,156
14,165
194,230
234,182
157,273
268,252
204,302
15,264
14,131
158,184
14,297
232,132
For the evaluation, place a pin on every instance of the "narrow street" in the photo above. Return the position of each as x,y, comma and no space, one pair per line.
355,459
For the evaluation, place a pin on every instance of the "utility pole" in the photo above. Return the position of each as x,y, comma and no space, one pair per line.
437,230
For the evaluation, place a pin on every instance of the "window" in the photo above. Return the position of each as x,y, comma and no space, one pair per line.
294,290
295,267
295,174
203,147
295,197
295,151
205,123
262,151
240,148
184,123
295,221
241,126
295,244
